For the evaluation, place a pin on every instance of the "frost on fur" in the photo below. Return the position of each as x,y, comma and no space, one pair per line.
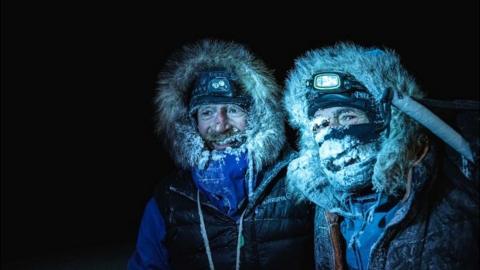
265,129
377,69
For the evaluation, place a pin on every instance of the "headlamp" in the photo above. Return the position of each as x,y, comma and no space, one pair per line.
217,85
329,88
326,81
334,82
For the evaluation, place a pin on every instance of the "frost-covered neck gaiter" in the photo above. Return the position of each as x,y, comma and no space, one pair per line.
223,180
347,155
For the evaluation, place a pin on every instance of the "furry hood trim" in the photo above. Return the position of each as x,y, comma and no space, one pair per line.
265,127
378,69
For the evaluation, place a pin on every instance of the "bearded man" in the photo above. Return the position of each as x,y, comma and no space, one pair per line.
226,207
387,195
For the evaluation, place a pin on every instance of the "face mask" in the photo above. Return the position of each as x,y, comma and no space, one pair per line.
347,155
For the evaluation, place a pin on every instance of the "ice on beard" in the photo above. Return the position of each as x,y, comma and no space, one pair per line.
333,147
232,151
353,168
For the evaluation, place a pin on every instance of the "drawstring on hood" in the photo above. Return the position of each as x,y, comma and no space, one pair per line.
206,243
203,231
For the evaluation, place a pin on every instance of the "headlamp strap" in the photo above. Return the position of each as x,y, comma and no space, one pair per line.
386,110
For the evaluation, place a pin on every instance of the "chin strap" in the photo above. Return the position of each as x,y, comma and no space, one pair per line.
386,111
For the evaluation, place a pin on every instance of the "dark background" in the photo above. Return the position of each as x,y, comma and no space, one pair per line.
79,154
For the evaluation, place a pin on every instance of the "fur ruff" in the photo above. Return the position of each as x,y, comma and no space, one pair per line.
265,126
378,69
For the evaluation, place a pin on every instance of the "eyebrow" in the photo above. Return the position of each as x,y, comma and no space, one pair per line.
345,110
340,111
205,107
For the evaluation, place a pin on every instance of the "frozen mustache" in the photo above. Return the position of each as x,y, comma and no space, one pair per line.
230,136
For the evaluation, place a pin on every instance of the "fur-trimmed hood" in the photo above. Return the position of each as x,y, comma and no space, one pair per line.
265,126
378,69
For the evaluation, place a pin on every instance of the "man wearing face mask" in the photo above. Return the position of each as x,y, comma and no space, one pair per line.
387,196
226,207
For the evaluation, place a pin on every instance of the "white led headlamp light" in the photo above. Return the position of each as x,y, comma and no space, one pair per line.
334,82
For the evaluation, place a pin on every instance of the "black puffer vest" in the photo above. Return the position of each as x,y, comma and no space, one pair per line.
277,232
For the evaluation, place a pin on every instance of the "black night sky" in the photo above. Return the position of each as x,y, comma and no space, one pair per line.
79,154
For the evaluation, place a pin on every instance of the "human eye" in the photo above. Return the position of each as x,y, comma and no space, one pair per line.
347,117
205,113
351,117
235,110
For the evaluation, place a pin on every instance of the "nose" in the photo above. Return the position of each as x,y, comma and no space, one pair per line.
222,123
330,122
333,122
317,126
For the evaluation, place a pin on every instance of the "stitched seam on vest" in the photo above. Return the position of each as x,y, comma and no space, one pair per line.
189,197
181,193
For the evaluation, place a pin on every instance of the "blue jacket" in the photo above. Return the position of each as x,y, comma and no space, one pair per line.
150,252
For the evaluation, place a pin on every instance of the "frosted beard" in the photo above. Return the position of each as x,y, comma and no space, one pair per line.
347,155
236,146
233,137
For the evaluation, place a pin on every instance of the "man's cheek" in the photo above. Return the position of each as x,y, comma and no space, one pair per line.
204,129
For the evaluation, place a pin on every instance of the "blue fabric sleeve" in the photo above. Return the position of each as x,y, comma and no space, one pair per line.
150,252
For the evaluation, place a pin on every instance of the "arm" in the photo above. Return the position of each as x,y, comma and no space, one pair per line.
150,252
